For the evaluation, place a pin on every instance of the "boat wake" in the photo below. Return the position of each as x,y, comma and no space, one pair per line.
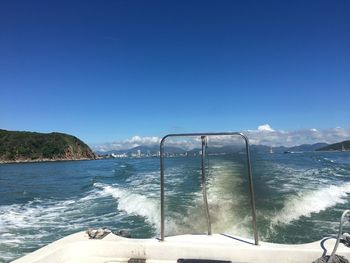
291,196
311,201
133,203
29,226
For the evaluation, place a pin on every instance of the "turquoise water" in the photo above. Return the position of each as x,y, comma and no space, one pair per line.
299,198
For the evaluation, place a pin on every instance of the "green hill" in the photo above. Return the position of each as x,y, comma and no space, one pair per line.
339,146
20,146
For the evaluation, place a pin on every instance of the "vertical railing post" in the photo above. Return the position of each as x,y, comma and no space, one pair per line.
161,152
251,190
204,184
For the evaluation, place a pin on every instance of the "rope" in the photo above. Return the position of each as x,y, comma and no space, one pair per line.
97,233
336,259
341,238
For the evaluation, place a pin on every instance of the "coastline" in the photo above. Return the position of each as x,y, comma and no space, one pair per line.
46,160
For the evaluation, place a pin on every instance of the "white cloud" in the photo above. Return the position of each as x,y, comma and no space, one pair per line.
264,135
265,127
297,137
137,140
127,144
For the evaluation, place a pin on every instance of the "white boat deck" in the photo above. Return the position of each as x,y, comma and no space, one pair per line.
79,248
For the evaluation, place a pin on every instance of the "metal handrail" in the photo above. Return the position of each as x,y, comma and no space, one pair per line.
204,184
250,177
343,219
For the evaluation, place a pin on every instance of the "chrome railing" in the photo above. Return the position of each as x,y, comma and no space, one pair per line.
203,137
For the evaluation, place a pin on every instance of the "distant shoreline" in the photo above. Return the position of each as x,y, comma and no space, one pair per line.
46,160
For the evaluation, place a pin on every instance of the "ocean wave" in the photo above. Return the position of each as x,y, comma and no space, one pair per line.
225,199
308,202
27,215
224,196
133,203
30,223
34,224
286,179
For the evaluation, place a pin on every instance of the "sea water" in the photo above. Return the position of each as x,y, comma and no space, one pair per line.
299,198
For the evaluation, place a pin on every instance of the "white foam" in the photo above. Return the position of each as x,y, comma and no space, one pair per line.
308,202
224,195
225,198
133,203
33,220
41,220
30,214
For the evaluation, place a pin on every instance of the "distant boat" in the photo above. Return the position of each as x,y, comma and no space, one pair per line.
342,147
271,150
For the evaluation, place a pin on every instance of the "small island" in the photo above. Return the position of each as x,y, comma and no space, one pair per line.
23,146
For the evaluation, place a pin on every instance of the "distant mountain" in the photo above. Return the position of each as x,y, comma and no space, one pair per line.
281,149
339,146
20,146
146,149
259,148
301,148
227,149
308,147
155,149
221,150
217,150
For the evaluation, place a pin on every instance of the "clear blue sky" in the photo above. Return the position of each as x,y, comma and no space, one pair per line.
108,70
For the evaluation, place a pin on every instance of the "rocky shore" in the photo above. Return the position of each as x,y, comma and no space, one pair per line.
46,160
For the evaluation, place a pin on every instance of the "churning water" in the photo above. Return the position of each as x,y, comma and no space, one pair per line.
299,198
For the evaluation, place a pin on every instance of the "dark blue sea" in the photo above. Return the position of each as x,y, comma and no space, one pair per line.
299,198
